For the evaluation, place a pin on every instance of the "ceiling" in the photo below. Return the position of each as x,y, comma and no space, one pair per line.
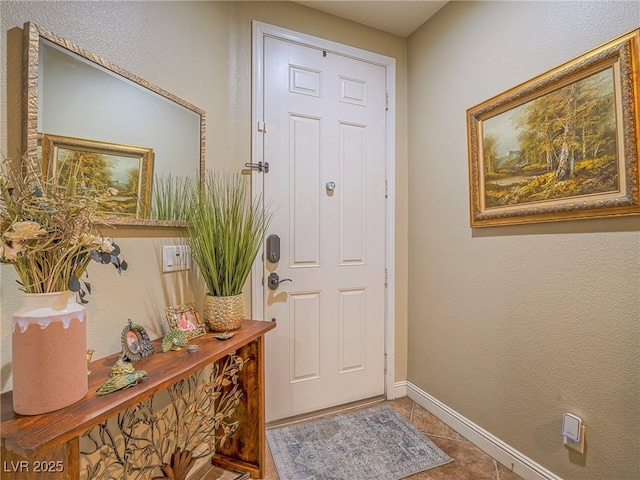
398,17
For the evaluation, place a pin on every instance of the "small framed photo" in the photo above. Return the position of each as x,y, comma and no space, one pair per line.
135,342
186,318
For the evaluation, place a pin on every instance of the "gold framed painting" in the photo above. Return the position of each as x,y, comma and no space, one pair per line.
561,146
186,318
120,175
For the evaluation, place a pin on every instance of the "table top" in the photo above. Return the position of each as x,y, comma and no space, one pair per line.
26,434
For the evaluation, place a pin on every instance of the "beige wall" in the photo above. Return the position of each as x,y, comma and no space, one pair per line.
513,326
200,51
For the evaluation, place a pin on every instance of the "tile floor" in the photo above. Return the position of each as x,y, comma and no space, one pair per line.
469,462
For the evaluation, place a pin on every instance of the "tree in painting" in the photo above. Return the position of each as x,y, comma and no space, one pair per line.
97,173
560,145
92,170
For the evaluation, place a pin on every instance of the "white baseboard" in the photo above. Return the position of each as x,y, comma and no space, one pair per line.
400,389
492,445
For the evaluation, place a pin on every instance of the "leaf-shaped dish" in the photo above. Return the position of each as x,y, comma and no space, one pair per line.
223,335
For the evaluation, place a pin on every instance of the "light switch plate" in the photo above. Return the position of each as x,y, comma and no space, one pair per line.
175,258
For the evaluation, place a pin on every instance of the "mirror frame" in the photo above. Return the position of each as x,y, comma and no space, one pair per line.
31,49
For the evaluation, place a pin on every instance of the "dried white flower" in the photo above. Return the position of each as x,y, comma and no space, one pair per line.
107,245
9,250
25,231
87,239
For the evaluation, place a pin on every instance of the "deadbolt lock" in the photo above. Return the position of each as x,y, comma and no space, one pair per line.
273,248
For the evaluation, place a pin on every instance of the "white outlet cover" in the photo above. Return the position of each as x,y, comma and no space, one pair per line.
571,427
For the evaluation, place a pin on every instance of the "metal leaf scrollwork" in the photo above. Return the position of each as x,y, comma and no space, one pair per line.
139,441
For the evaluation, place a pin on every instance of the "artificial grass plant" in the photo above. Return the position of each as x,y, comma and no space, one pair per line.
225,228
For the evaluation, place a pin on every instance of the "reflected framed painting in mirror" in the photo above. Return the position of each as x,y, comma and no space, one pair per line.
119,176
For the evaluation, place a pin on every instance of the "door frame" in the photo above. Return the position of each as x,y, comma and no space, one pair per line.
260,31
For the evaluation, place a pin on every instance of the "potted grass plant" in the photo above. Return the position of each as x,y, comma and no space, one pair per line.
225,229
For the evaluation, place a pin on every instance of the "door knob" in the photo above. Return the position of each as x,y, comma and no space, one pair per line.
331,186
274,281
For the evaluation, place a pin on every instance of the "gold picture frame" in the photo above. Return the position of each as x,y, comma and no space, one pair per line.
187,319
561,146
120,175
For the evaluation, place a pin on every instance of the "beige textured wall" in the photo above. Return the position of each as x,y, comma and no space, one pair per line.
513,326
200,51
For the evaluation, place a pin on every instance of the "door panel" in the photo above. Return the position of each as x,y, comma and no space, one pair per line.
304,336
325,144
304,205
352,329
352,201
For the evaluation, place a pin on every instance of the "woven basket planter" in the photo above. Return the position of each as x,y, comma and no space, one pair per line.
223,313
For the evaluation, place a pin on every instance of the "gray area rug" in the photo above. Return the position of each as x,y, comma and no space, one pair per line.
376,443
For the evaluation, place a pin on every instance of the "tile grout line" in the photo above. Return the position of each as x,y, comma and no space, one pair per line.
464,440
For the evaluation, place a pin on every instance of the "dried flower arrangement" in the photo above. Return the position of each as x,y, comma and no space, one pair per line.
49,232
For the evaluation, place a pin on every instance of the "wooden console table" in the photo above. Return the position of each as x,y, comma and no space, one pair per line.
47,446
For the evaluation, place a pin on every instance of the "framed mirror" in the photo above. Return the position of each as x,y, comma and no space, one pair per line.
85,102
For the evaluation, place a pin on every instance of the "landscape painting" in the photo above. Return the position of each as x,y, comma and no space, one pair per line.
119,176
561,146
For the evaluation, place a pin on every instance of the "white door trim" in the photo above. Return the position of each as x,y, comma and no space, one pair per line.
262,30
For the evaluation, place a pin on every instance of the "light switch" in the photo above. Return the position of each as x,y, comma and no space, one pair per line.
175,257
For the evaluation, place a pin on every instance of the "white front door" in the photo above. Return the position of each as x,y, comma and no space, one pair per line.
324,116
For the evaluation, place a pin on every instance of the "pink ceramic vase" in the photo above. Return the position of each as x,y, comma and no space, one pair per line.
49,353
